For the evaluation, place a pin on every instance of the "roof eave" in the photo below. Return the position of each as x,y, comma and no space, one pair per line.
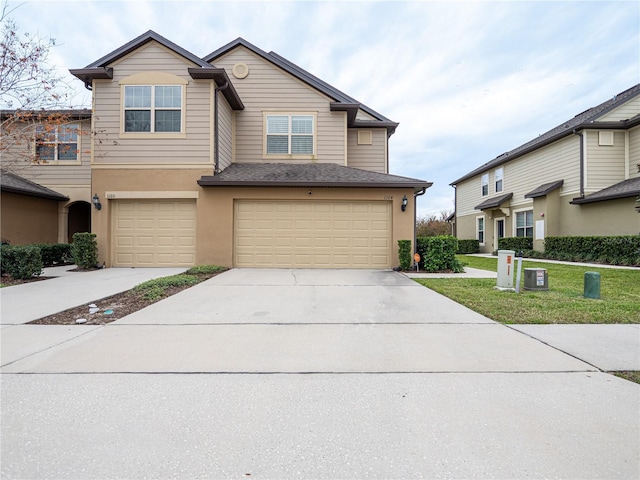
29,193
212,181
220,77
604,198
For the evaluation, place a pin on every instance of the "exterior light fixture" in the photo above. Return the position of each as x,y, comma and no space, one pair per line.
404,203
96,202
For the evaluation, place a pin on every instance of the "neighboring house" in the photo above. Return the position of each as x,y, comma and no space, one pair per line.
579,179
45,161
238,159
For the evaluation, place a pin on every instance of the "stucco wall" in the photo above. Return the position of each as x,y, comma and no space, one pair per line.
27,220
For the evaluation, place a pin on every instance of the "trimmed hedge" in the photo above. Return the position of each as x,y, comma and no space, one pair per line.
404,254
616,250
54,253
515,243
84,250
21,261
468,246
438,253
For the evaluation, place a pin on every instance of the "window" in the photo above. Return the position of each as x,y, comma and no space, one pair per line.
153,108
485,184
498,179
524,224
57,142
480,230
289,135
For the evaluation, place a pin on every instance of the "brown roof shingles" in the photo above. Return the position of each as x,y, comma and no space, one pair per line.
12,183
624,189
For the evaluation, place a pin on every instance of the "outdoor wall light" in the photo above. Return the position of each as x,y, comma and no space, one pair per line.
404,203
96,202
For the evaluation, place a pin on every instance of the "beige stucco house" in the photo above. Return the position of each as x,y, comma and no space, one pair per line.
46,175
240,159
579,179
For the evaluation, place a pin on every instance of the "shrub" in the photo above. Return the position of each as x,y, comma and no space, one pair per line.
617,250
205,270
404,254
515,243
438,253
55,253
21,261
468,246
84,250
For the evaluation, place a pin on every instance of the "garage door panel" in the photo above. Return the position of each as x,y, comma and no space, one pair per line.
313,234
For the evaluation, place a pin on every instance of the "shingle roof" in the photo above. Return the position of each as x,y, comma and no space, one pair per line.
624,189
544,189
494,202
586,119
306,175
12,183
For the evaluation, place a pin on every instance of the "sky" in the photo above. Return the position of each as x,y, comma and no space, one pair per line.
467,81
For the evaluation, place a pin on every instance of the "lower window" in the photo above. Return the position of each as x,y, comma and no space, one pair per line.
524,224
480,229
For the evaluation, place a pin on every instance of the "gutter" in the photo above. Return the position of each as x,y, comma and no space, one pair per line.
216,141
581,135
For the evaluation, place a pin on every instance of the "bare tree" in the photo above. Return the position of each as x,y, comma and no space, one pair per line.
433,225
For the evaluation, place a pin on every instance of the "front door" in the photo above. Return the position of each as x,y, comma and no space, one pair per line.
498,232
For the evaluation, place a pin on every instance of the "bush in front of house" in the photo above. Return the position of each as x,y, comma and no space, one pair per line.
468,246
438,254
84,250
615,250
404,254
21,261
54,253
517,244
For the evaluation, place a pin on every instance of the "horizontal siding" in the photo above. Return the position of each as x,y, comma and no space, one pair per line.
605,163
268,88
623,112
225,140
367,157
194,148
558,161
634,152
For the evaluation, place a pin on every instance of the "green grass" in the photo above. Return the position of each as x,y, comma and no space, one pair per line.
158,287
562,303
632,376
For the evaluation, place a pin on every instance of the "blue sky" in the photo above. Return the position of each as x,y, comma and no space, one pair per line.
466,80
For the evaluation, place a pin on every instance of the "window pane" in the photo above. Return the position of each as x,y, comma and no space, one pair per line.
138,96
167,121
68,133
277,144
137,121
277,124
45,133
68,151
302,124
168,97
46,152
498,185
302,144
520,219
529,218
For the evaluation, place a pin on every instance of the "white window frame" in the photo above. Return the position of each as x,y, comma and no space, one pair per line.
56,143
515,222
153,109
482,231
484,182
499,177
289,135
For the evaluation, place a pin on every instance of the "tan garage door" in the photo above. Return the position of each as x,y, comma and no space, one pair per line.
312,234
154,233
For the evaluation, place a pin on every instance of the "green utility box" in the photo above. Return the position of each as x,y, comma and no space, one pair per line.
591,285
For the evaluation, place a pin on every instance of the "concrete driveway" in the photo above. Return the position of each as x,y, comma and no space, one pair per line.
316,374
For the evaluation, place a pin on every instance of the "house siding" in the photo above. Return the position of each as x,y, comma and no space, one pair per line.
267,88
225,133
623,112
605,163
114,148
367,157
634,152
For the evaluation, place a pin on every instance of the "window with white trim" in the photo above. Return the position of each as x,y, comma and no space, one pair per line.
485,184
524,224
153,108
499,174
480,230
289,135
57,142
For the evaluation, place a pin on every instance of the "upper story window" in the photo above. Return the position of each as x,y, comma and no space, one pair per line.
485,184
499,179
153,108
57,142
289,135
524,224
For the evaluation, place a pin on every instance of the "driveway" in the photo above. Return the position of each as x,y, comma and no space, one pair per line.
317,374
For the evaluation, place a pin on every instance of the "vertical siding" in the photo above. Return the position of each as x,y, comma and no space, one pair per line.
367,157
194,148
605,163
623,112
634,152
268,88
225,135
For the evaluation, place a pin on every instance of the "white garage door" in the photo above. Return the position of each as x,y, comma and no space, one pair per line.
153,233
312,234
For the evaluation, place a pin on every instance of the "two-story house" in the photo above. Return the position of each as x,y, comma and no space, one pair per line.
240,158
579,179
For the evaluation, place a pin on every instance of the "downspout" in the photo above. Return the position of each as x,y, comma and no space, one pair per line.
216,148
575,132
415,215
455,209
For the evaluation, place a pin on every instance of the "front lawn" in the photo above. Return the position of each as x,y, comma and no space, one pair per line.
562,303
